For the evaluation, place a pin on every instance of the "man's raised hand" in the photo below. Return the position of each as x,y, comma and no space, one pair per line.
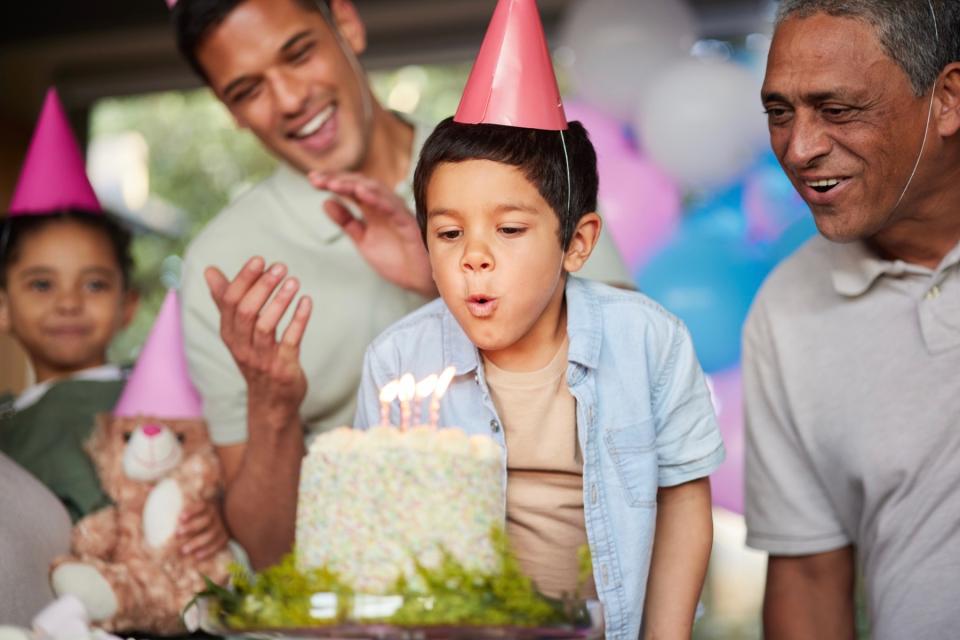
276,383
387,236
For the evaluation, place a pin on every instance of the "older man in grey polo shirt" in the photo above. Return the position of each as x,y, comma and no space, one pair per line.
287,71
852,348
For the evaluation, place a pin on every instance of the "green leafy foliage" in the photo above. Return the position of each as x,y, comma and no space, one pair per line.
448,594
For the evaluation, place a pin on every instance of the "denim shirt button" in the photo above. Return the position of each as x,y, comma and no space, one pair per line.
604,575
494,426
593,494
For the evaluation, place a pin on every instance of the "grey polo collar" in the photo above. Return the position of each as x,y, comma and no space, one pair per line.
855,267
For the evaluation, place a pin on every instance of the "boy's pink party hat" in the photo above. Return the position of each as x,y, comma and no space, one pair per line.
53,175
512,81
160,384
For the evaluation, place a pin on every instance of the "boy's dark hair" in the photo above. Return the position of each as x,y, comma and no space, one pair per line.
537,153
194,19
14,230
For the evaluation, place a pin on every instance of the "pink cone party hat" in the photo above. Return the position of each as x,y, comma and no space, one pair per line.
512,81
53,175
160,385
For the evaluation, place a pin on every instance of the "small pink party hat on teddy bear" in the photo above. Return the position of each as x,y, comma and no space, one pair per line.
53,177
160,383
512,81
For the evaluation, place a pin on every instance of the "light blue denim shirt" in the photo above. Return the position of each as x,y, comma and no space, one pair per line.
644,418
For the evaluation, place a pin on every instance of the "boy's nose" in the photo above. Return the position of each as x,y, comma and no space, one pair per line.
151,430
477,260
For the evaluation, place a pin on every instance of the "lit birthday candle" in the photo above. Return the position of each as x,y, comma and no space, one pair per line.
408,387
387,395
424,390
441,388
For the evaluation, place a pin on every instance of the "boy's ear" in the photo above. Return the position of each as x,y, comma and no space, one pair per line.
4,311
582,242
131,302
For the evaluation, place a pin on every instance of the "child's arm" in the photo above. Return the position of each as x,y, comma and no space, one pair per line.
681,551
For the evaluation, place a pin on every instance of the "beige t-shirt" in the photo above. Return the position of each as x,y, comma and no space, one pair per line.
544,472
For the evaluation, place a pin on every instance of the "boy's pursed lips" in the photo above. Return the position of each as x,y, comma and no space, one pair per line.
481,305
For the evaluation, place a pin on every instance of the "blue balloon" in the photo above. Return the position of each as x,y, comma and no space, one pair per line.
720,216
709,282
792,239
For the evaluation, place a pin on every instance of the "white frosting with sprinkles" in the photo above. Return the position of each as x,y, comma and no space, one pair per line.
372,501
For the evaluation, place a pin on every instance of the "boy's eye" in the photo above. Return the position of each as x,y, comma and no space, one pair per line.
512,231
451,234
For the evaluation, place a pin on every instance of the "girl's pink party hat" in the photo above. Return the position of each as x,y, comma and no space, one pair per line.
53,177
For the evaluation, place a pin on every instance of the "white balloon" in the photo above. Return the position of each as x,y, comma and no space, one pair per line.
702,121
616,46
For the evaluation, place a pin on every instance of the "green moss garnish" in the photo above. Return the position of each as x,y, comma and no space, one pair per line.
449,594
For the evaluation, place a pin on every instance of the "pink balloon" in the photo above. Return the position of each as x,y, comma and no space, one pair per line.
606,132
727,480
640,204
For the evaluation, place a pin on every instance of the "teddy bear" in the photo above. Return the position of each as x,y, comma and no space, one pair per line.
125,565
154,458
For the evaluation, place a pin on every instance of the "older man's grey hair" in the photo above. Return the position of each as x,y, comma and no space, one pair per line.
921,36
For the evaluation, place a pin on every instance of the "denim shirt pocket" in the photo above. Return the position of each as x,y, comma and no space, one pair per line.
634,454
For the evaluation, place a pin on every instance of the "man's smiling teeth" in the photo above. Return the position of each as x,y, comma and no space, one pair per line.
831,182
314,125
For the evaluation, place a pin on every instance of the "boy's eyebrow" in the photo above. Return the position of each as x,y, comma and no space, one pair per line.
516,206
500,208
439,212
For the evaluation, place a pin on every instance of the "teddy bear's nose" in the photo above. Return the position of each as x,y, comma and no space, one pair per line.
151,430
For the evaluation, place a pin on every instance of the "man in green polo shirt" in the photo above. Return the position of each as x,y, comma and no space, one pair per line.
287,71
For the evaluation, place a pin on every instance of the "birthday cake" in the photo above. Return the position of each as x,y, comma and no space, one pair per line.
373,504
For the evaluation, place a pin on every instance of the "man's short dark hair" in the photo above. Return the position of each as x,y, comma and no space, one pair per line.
193,20
14,230
537,153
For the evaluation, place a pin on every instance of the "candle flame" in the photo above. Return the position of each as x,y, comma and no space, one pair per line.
408,386
426,386
389,391
443,382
